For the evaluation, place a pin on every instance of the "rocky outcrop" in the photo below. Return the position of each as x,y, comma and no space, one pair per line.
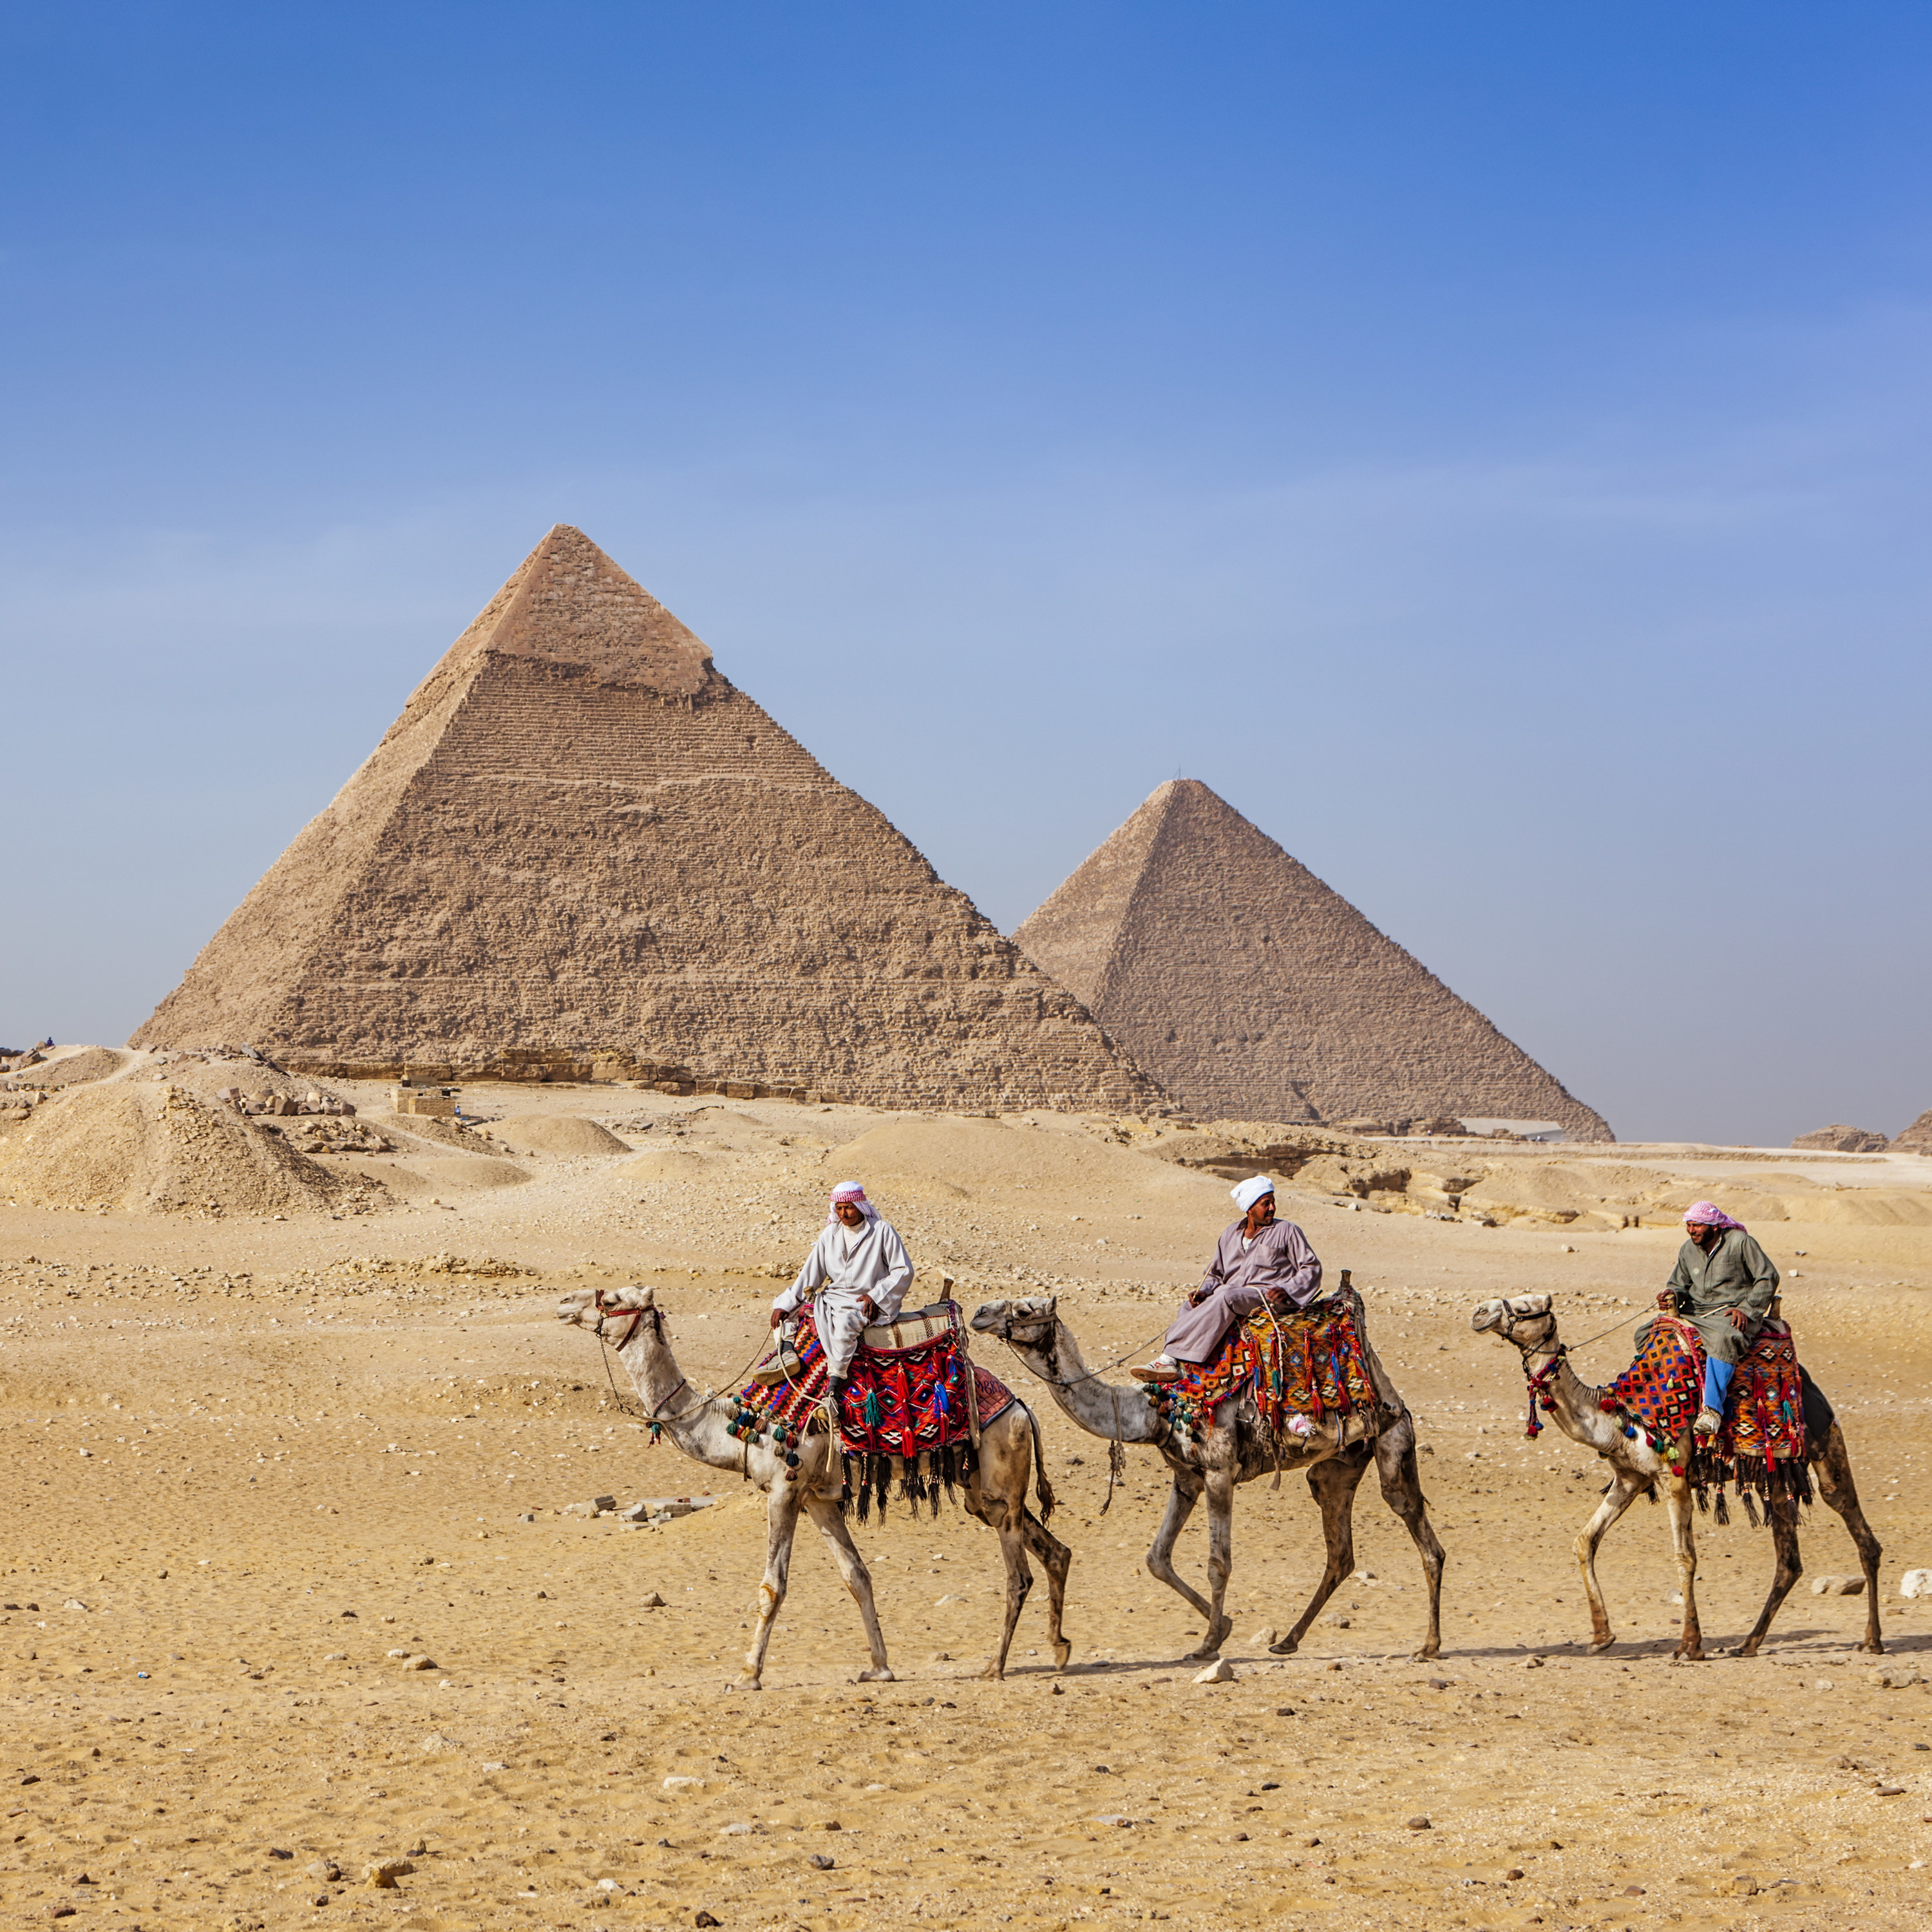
1917,1138
1842,1139
1249,989
580,845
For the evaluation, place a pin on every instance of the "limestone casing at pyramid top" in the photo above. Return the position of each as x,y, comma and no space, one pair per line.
567,604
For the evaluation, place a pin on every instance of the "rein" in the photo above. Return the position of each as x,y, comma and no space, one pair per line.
656,1417
1541,1382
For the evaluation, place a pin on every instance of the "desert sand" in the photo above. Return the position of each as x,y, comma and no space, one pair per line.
258,1448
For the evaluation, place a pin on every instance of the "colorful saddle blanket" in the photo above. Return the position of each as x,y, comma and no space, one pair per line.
908,1414
1761,1445
1301,1369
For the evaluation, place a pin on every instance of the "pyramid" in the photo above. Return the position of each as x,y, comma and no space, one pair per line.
580,844
1251,991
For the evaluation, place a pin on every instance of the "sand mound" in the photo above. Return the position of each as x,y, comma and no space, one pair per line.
72,1066
138,1146
1917,1138
555,1133
668,1164
948,1159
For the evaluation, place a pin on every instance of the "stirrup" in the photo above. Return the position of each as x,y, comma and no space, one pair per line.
1709,1422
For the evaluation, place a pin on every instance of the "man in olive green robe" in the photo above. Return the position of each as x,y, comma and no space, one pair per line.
1723,1285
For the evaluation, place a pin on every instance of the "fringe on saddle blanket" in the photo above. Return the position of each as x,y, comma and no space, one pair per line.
1303,1371
1761,1446
906,1416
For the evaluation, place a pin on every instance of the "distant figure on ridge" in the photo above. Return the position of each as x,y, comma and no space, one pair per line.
1259,1261
1722,1286
858,1272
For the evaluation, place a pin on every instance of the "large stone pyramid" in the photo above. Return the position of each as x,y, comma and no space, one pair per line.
580,840
1250,991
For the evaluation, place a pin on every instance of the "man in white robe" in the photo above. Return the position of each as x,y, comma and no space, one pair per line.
856,1274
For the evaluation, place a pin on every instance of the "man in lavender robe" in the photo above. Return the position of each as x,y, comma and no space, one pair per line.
1257,1261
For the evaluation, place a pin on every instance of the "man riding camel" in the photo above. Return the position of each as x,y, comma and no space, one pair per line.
857,1272
1722,1286
1259,1261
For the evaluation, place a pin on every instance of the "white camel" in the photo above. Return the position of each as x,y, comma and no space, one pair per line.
1527,1322
631,1322
1236,1449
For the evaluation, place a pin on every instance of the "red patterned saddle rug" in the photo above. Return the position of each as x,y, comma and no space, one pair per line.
1761,1445
908,1414
1302,1370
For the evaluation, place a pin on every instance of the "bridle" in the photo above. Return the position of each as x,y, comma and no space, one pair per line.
657,1418
1540,1384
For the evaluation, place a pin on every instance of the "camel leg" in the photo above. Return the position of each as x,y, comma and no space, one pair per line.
1220,1563
824,1512
1188,1484
1784,1511
1401,1490
1833,1472
1626,1486
1677,1500
782,1504
1056,1559
1332,1484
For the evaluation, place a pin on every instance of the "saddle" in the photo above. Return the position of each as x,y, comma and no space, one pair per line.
912,1330
913,1408
1762,1443
1303,1370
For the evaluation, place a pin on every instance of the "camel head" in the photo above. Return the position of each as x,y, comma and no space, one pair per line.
1029,1320
1524,1319
589,1308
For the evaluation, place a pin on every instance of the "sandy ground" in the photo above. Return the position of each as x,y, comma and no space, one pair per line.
250,1458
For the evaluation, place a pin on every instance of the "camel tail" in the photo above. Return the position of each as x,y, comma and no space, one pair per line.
1042,1486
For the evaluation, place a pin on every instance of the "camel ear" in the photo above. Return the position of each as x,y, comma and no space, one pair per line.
1530,1304
631,1295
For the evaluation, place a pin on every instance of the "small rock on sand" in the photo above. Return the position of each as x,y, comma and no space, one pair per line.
382,1874
1837,1586
1419,1824
1220,1672
326,1869
684,1784
1915,1583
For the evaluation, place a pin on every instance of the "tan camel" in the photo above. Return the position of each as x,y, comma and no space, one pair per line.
995,1492
1236,1449
1637,1469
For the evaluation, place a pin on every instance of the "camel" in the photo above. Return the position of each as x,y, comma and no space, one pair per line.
1528,1321
995,1492
1237,1450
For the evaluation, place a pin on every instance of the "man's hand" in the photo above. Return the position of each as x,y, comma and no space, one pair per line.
777,1316
1739,1319
1667,1300
868,1308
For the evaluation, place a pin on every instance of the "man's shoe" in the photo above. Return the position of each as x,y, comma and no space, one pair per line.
1708,1423
1162,1369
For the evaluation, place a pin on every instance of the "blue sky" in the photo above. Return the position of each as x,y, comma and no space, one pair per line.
1488,444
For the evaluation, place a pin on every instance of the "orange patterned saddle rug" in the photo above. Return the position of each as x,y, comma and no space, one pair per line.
1302,1370
1761,1445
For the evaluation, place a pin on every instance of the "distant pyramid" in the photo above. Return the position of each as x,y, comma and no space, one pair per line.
578,839
1250,991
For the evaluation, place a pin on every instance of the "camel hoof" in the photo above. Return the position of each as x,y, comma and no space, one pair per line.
1289,1646
1873,1649
881,1675
993,1673
1427,1654
1597,1649
1062,1652
1206,1653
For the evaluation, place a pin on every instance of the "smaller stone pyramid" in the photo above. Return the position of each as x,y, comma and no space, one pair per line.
1251,991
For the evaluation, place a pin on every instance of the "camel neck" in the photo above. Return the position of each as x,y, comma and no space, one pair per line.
1119,1410
1574,1401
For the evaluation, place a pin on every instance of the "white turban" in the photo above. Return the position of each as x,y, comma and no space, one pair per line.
1251,1190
